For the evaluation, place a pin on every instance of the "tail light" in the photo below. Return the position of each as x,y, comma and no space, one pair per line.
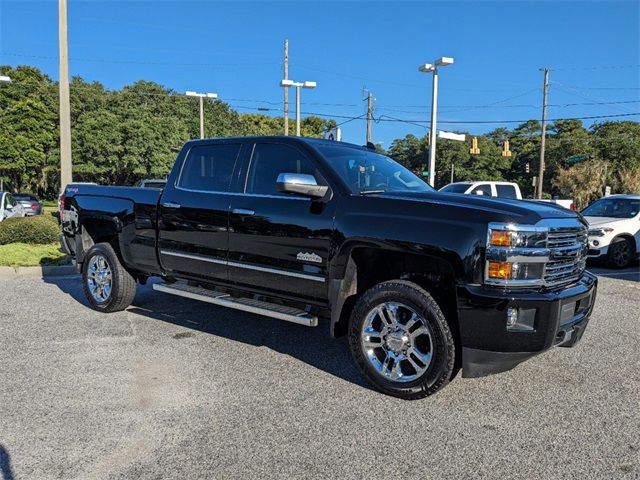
572,206
61,206
34,206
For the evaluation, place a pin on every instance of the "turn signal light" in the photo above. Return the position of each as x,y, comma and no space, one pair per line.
501,238
500,270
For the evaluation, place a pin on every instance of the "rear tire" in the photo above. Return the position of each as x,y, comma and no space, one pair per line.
108,286
620,253
410,358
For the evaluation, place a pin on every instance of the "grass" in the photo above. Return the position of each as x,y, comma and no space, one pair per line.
25,255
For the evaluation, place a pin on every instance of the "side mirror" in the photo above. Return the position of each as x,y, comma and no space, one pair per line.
302,184
9,207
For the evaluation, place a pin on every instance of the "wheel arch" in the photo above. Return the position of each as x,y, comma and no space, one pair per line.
368,265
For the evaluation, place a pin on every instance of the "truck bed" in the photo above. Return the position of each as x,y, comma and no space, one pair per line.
131,212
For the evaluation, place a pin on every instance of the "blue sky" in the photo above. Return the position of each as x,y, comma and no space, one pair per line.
235,49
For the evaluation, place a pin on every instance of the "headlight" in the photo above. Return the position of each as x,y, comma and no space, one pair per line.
546,254
599,232
516,254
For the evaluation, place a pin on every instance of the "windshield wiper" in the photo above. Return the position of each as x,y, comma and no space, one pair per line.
371,192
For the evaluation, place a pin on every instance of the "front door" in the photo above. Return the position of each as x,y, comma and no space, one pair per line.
194,213
279,242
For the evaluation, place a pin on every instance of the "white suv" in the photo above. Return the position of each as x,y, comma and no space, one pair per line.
614,229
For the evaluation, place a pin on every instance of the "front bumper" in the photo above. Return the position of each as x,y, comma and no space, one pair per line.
488,347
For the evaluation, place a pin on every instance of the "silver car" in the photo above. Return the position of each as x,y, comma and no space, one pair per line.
31,204
9,207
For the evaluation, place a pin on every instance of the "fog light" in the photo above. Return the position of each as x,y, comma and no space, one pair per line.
521,319
596,243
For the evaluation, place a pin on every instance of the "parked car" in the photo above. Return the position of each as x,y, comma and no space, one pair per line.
153,183
32,205
9,206
499,189
309,230
614,229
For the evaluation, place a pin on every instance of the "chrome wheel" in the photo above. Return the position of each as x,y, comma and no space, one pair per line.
99,278
397,341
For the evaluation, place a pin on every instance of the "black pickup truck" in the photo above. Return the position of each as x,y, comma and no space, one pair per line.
423,283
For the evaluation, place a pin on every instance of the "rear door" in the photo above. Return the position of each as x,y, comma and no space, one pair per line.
193,225
279,242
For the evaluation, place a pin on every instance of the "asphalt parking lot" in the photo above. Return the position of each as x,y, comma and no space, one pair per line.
173,388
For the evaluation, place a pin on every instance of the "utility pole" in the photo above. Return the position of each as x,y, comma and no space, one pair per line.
286,89
545,93
369,117
65,108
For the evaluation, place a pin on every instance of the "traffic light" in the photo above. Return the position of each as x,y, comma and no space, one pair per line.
474,150
526,167
505,149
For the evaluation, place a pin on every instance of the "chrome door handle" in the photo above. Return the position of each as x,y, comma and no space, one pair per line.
243,211
171,205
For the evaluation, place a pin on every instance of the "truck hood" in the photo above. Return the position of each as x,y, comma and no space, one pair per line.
519,211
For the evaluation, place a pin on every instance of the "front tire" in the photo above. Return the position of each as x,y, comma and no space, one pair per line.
620,253
401,341
108,286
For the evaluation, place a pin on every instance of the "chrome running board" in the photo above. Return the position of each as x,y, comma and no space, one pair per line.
250,305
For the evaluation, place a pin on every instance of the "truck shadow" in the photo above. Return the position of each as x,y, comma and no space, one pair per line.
313,346
6,472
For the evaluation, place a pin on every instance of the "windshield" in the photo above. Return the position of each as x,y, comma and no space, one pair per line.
613,207
368,171
456,188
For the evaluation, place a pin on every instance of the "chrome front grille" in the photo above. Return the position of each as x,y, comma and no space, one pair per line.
567,255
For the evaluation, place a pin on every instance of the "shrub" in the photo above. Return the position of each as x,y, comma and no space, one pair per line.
40,230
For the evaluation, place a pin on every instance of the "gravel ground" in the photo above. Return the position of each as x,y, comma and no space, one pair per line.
174,388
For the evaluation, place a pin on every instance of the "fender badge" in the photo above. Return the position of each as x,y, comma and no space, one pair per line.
309,257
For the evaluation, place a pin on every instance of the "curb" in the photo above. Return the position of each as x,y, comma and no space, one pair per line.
33,272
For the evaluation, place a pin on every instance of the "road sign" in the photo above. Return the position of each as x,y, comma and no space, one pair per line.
460,137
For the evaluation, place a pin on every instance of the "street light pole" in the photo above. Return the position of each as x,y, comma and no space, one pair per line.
433,68
432,139
290,83
298,110
201,117
201,97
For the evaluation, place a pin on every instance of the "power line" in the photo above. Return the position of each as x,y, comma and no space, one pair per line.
139,62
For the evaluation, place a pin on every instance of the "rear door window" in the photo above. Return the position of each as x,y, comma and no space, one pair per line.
506,191
209,168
